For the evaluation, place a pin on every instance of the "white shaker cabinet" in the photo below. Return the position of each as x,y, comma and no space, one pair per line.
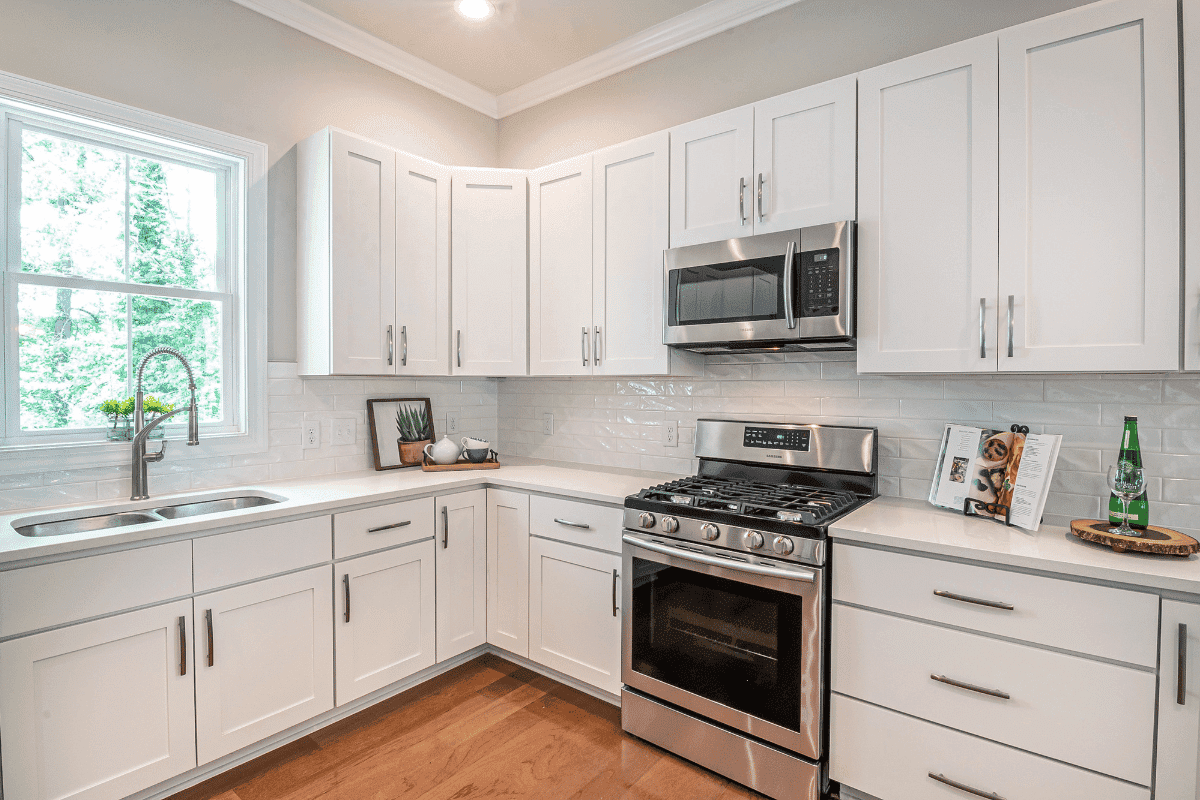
461,572
100,710
1177,775
489,273
927,217
384,621
1191,132
421,337
711,164
508,570
804,156
1089,190
346,255
264,659
560,268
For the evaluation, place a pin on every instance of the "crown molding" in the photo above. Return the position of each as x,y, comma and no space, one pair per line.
707,20
357,42
676,33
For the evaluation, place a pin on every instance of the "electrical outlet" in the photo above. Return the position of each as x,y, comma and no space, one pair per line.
310,434
671,434
548,424
451,422
343,431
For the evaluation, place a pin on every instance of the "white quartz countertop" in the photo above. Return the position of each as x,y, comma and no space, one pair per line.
314,496
915,525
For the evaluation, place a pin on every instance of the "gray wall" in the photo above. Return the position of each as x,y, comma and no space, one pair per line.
215,63
807,43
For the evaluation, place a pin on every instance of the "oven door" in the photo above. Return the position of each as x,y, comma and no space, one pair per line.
737,641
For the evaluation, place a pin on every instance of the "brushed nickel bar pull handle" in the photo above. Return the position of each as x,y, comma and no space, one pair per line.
1181,680
404,345
183,645
615,576
346,583
789,308
982,328
1011,299
972,600
962,787
445,527
760,205
569,524
742,201
390,527
583,344
208,622
971,687
596,347
391,345
458,345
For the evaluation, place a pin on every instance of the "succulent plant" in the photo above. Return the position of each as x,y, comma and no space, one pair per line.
412,424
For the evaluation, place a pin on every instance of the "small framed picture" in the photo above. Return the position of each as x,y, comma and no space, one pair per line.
400,429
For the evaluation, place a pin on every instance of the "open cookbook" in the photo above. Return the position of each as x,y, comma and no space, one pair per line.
1004,475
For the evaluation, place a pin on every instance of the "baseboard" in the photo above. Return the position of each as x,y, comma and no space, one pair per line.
541,669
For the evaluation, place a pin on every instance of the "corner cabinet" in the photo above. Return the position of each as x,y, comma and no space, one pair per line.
489,273
508,570
461,572
1177,775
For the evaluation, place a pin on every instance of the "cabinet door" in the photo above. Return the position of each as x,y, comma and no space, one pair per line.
383,618
461,573
265,659
711,163
422,332
101,710
362,283
630,231
1191,228
574,616
488,273
804,156
1089,190
560,268
927,215
1177,775
508,570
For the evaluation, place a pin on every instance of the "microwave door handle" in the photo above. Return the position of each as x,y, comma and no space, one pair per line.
789,269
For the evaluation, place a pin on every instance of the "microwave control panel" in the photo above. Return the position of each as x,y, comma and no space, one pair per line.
777,438
819,283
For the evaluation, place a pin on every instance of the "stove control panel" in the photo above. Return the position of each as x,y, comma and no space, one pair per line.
777,438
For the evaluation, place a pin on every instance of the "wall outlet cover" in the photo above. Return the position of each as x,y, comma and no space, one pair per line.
548,424
310,434
671,434
343,431
452,425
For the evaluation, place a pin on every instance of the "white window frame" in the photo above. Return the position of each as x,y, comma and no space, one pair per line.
241,165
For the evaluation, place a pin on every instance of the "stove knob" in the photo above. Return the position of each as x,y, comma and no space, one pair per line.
753,540
709,531
783,546
646,520
670,524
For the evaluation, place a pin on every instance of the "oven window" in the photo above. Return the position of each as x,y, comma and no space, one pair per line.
729,642
741,291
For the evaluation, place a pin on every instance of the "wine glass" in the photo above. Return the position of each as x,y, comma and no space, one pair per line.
1127,481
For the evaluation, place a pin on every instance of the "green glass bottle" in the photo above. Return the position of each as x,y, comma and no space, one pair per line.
1139,509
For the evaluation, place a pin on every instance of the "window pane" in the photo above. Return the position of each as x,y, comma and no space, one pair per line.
192,327
72,208
172,225
72,355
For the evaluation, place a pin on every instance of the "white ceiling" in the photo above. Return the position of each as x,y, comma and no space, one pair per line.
527,53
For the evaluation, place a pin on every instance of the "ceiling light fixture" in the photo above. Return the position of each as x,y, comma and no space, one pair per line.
475,9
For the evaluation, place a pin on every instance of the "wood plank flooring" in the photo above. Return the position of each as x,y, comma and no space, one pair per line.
485,729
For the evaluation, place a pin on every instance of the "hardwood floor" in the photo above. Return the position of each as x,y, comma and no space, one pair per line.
485,729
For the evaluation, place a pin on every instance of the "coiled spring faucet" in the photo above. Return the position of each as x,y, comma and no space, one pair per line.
142,430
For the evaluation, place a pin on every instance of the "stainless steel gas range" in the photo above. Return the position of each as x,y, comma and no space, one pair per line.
724,645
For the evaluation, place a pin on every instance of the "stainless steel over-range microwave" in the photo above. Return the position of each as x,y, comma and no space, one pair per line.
787,291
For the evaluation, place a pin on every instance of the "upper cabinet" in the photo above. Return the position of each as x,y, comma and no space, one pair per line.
489,269
711,164
422,326
1191,110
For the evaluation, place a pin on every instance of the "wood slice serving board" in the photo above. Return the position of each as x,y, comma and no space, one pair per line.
1156,540
428,466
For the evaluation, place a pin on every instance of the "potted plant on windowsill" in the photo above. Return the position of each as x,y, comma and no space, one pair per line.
413,426
120,414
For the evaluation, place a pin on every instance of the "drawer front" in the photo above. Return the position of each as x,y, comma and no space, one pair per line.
890,755
375,528
1065,707
564,520
67,591
241,556
1097,620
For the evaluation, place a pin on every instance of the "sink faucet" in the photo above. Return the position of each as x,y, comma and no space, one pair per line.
142,430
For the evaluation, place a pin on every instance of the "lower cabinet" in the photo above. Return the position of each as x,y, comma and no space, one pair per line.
574,613
508,570
100,710
384,618
1178,762
461,560
264,659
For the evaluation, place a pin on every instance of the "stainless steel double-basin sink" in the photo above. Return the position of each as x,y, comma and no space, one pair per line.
120,519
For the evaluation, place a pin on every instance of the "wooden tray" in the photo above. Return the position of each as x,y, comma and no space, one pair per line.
429,466
1156,540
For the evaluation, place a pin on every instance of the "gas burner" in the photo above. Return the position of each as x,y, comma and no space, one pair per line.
759,500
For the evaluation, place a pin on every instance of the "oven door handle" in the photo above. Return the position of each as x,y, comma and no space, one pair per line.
700,558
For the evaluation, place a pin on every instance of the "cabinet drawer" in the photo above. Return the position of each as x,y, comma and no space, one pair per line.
51,594
890,755
1065,707
382,526
565,520
1096,620
247,555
